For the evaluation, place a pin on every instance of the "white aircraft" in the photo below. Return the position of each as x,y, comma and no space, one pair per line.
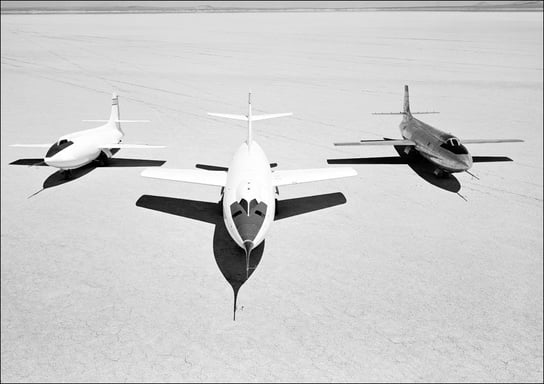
78,149
248,185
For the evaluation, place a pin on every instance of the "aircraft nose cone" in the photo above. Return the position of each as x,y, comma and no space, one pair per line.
248,246
52,161
58,160
467,163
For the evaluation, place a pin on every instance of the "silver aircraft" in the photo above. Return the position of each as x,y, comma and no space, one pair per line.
446,152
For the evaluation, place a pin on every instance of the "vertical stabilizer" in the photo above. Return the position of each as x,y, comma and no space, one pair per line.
406,104
115,115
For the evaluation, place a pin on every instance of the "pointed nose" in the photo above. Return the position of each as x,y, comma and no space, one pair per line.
60,160
466,163
248,246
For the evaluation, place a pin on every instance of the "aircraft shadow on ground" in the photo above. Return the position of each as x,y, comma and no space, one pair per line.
420,165
230,258
425,170
59,177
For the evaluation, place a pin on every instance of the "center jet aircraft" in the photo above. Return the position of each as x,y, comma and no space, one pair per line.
75,150
446,152
248,185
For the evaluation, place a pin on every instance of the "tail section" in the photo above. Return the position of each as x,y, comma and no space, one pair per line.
115,115
406,104
249,118
405,108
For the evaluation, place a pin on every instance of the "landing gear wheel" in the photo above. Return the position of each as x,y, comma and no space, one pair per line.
102,160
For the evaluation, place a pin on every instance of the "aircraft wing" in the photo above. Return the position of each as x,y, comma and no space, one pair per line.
486,141
370,160
379,142
298,176
188,176
32,145
130,146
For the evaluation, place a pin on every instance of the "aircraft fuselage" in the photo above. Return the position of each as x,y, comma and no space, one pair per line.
81,148
248,200
442,149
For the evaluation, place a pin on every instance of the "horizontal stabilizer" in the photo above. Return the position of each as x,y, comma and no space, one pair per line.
130,146
270,116
118,121
489,159
369,160
31,145
298,176
490,141
379,142
229,116
188,176
219,168
404,113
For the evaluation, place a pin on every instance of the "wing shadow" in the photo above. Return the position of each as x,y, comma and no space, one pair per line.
61,177
421,166
116,162
298,206
230,258
425,170
30,162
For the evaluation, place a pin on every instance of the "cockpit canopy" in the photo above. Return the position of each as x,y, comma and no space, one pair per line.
453,144
58,146
248,208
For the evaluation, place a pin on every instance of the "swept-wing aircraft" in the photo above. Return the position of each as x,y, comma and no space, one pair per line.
248,186
76,150
446,152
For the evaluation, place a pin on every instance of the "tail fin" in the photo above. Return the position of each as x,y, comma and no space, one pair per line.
249,118
406,104
115,114
405,107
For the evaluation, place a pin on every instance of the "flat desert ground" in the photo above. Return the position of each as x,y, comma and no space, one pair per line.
405,282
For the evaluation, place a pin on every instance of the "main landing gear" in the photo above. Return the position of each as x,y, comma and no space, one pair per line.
102,159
